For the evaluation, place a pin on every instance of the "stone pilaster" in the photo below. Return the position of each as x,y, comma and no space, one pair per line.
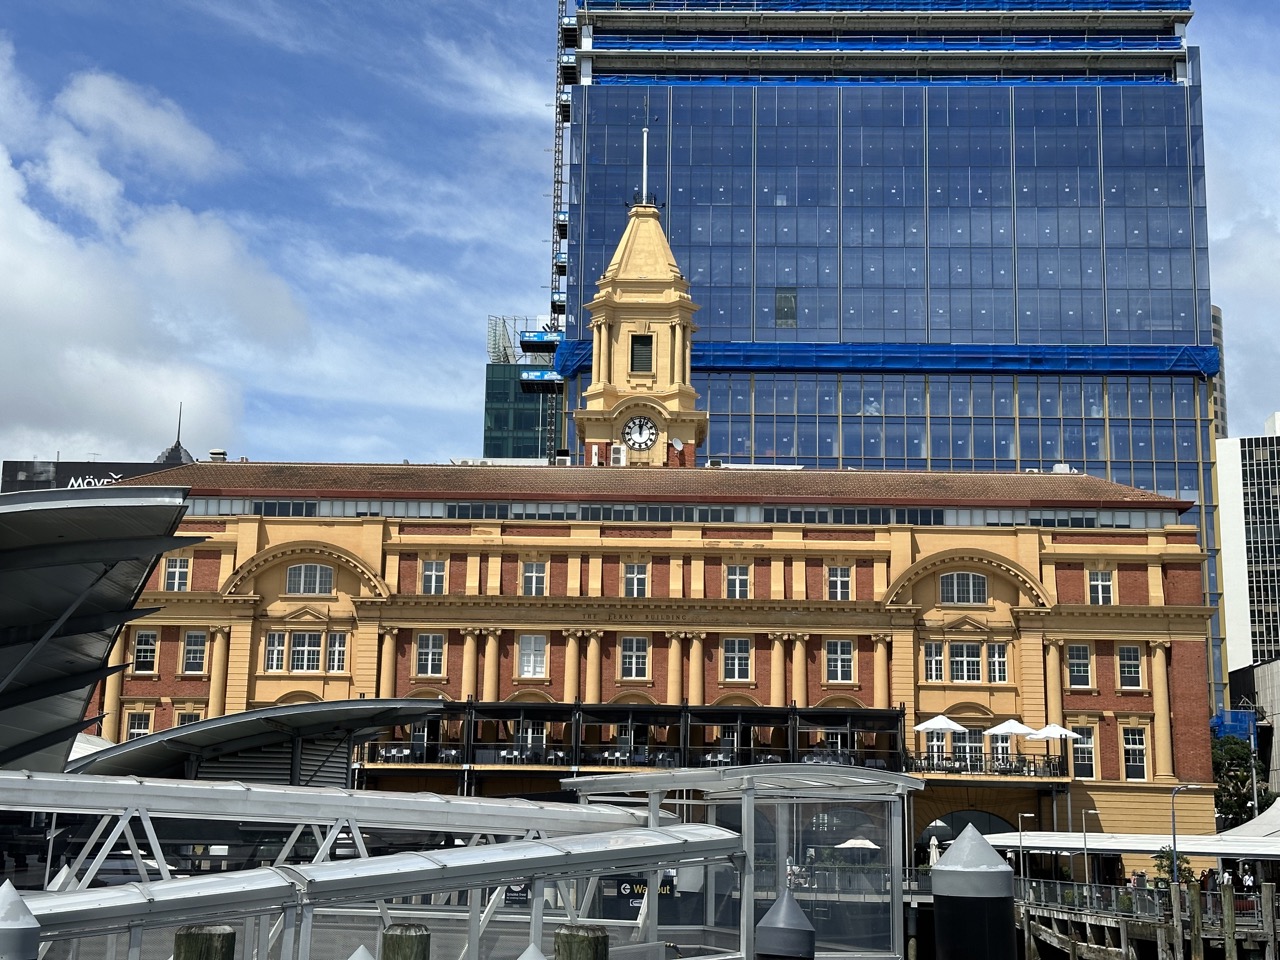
880,672
388,636
697,668
221,637
777,669
492,663
1162,726
1053,679
111,690
592,693
799,669
572,665
675,666
470,662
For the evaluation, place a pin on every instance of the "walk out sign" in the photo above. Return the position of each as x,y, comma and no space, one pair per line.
632,889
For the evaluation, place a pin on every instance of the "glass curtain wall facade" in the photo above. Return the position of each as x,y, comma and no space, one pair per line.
924,235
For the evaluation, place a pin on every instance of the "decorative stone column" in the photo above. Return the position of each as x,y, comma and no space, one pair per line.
1162,730
218,672
470,662
675,666
492,661
799,669
778,669
592,692
387,639
1053,679
572,665
111,690
697,668
880,673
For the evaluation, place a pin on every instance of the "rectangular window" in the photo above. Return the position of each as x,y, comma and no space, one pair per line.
1135,753
304,652
784,306
635,580
737,581
176,573
635,658
1079,668
1130,667
933,661
193,645
642,353
966,662
137,725
187,717
963,588
737,658
337,653
431,654
274,659
433,577
837,583
533,656
997,663
144,652
535,579
1082,753
839,661
1100,587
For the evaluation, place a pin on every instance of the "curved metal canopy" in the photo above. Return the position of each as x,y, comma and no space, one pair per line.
72,565
768,779
179,752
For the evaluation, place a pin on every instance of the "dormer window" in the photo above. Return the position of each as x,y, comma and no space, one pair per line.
312,578
642,353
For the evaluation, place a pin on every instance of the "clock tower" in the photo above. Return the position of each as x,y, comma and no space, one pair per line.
640,408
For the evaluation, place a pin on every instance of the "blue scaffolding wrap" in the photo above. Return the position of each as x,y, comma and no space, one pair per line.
574,356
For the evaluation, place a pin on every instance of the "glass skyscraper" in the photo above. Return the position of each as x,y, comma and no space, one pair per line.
925,234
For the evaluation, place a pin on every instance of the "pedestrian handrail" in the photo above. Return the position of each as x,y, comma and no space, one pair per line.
1127,901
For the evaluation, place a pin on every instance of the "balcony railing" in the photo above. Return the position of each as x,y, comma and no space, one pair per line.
987,764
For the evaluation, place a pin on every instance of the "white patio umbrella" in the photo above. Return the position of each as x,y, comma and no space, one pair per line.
1015,727
939,724
857,843
1053,732
934,851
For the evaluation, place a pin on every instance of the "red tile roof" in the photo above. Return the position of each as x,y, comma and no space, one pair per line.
652,485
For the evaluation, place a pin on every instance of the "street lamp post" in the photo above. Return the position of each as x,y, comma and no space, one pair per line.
1022,857
1173,828
1084,826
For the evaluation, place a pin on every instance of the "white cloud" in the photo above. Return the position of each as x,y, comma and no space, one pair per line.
19,112
140,124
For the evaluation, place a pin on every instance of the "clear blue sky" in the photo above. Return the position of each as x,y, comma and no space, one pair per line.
295,216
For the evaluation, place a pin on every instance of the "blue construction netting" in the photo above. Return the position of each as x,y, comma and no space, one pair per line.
860,6
879,44
574,356
1234,723
600,78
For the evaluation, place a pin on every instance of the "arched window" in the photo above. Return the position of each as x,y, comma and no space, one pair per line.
309,578
964,588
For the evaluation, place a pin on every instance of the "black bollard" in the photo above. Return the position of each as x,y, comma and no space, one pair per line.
785,933
973,901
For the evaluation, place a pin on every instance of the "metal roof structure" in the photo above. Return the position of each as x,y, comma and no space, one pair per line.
276,744
79,913
770,781
1195,845
72,566
268,803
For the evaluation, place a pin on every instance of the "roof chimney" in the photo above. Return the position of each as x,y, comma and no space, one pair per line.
218,456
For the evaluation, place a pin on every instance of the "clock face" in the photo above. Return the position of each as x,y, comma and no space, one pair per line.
640,433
